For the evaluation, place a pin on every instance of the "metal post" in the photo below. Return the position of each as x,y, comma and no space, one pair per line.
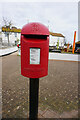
33,96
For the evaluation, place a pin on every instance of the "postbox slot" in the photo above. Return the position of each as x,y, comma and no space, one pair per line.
36,36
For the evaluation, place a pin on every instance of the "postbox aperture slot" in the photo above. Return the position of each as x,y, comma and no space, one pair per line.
36,36
34,55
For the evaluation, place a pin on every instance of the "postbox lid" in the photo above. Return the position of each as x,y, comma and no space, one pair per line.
35,29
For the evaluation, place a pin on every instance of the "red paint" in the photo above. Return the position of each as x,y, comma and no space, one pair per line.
35,29
37,36
18,45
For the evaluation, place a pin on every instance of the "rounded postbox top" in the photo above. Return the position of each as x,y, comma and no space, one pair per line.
35,29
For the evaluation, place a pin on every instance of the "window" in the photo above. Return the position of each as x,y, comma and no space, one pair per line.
5,34
15,34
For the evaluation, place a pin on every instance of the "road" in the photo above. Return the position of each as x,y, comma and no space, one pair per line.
58,92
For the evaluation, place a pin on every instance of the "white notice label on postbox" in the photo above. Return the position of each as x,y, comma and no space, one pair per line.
34,55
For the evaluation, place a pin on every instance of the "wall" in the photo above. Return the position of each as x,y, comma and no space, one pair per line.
53,41
12,37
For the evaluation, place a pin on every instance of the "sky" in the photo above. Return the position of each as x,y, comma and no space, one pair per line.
59,17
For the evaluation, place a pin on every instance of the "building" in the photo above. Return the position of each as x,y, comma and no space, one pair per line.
0,38
10,36
56,38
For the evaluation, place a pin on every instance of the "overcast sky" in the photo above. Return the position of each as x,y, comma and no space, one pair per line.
61,17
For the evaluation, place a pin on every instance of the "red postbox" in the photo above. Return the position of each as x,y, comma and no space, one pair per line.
34,50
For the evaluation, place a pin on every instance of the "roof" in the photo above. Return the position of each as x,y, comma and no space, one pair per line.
4,29
14,27
77,42
56,34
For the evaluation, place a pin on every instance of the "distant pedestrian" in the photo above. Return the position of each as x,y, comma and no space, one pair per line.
18,45
19,51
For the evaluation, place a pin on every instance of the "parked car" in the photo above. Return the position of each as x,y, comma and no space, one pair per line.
77,51
56,51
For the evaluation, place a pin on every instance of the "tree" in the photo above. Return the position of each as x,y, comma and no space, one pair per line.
7,23
57,44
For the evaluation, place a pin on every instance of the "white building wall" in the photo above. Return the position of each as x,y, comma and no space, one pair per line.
18,35
12,37
4,38
61,41
53,41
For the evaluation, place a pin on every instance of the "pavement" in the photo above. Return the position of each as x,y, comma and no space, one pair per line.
58,92
64,56
7,51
